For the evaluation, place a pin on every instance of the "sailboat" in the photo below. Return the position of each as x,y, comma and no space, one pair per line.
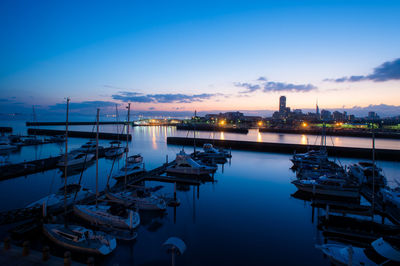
55,200
142,201
106,215
73,237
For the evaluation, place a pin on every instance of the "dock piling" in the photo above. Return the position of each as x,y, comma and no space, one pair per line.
67,258
45,253
25,249
7,243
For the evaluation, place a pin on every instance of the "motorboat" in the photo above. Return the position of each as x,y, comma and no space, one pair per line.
337,187
134,165
80,239
390,196
380,252
210,152
56,200
185,165
115,150
141,199
311,157
75,159
88,147
364,172
56,138
108,215
6,146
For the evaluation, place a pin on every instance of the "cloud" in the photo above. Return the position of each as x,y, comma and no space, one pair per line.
281,86
389,70
83,105
272,86
162,98
249,87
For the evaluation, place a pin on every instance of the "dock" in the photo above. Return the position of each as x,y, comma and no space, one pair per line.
35,166
6,129
23,214
334,132
14,255
207,127
78,134
348,152
88,123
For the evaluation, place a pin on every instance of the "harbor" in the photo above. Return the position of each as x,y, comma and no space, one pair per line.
196,196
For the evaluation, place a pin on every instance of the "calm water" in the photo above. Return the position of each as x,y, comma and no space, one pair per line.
246,217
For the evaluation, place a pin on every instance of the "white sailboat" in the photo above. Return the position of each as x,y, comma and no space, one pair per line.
133,165
100,214
77,238
80,239
55,200
142,201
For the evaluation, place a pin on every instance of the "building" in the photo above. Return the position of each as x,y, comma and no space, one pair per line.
282,105
326,115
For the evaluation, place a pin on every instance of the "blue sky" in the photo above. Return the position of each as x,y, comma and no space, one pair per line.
186,55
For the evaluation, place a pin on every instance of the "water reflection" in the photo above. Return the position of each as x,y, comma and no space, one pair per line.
222,135
304,140
259,137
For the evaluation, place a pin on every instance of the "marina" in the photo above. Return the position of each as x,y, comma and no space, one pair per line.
200,190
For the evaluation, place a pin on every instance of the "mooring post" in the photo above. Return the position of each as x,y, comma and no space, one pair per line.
45,253
90,261
25,248
7,245
67,258
327,212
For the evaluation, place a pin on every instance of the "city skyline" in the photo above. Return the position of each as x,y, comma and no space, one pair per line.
205,56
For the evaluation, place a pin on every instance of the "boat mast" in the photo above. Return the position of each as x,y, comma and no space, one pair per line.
373,170
97,155
66,166
127,148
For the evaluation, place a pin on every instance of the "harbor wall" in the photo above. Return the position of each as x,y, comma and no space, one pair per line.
351,152
78,134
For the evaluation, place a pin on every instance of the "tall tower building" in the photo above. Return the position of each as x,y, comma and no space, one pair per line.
282,104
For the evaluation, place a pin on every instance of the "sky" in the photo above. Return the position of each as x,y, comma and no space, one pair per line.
199,55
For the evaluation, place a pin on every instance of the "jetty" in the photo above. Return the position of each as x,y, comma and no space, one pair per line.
6,129
31,124
350,152
207,127
78,134
36,166
23,214
335,132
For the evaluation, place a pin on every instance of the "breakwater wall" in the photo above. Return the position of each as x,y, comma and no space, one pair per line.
334,132
78,134
206,127
351,152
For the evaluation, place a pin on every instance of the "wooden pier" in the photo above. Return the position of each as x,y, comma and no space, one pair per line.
380,154
78,134
21,256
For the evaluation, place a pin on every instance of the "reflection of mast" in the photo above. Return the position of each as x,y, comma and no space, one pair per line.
194,207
